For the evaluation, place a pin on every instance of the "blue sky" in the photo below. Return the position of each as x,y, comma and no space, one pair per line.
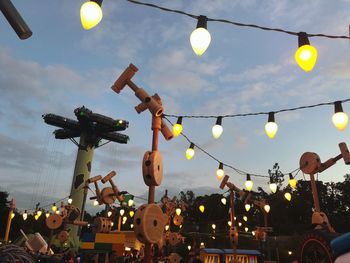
62,67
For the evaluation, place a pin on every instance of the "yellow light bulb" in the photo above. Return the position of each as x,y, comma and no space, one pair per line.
273,187
248,183
36,217
288,196
12,215
178,211
220,172
245,218
39,212
131,213
213,226
130,202
166,227
340,120
47,214
90,14
267,208
293,183
190,152
229,223
247,207
112,224
306,57
201,208
54,208
177,129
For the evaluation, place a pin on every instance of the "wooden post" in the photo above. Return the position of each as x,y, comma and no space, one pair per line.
315,193
9,219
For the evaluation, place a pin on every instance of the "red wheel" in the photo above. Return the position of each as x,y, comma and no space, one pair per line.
315,247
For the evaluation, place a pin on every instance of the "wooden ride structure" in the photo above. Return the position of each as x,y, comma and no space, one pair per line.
149,219
315,246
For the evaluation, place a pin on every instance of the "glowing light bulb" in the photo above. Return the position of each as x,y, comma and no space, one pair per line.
246,229
121,212
124,219
54,208
248,183
112,224
247,207
39,213
131,213
180,226
201,208
200,37
177,127
220,171
166,227
217,128
130,202
267,208
273,187
292,181
239,224
25,215
202,245
189,247
90,14
12,215
131,226
288,196
306,55
253,233
58,212
339,118
213,226
70,200
245,218
223,201
95,203
271,126
109,213
178,211
229,223
190,151
36,217
47,214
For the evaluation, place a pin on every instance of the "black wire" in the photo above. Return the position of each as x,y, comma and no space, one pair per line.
255,113
235,23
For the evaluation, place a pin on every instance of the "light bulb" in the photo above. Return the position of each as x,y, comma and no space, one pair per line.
39,212
190,151
189,247
248,183
47,214
180,226
245,218
131,226
54,208
130,202
220,171
12,215
229,223
178,211
213,226
70,200
273,187
124,219
288,196
306,55
239,224
95,203
247,207
131,213
202,245
267,208
271,126
201,208
253,233
109,213
25,215
217,128
36,217
90,14
112,224
58,212
246,229
223,201
177,127
121,212
292,181
166,227
200,37
339,118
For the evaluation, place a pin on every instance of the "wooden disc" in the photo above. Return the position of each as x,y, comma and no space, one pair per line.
54,221
63,236
108,196
177,220
102,225
174,258
309,163
152,168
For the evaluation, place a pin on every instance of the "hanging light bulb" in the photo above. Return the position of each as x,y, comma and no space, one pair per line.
70,200
124,219
273,186
25,215
247,207
267,208
36,217
39,213
271,126
200,37
246,229
217,128
54,207
91,14
112,224
95,203
131,226
292,181
109,213
130,202
131,213
220,171
180,226
223,200
121,212
339,118
253,233
58,212
288,196
166,227
306,55
177,127
213,226
248,183
202,208
239,224
245,218
12,215
178,211
190,151
189,248
47,214
229,223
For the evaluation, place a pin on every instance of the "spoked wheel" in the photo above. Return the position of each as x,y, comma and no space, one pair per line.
315,247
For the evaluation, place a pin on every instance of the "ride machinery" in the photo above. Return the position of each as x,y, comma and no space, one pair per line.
92,128
315,247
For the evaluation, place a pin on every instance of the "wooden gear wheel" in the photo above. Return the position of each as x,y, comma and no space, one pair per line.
102,225
54,221
152,168
174,238
315,247
177,220
108,195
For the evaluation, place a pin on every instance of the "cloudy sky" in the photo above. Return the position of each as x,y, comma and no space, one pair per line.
62,67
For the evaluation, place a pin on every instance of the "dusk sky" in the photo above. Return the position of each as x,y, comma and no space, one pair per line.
62,67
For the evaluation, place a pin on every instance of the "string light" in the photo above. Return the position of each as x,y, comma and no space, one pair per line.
223,200
200,37
189,248
267,208
306,55
220,171
247,207
109,213
131,226
36,217
288,196
95,203
25,215
292,181
177,127
201,208
12,215
246,229
54,207
130,202
253,233
213,226
166,227
248,183
124,219
70,200
239,224
121,212
47,214
91,14
273,186
39,212
245,218
178,211
339,118
271,126
229,223
131,213
190,151
217,128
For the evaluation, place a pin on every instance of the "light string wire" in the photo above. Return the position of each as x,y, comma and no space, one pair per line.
256,113
237,23
239,171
